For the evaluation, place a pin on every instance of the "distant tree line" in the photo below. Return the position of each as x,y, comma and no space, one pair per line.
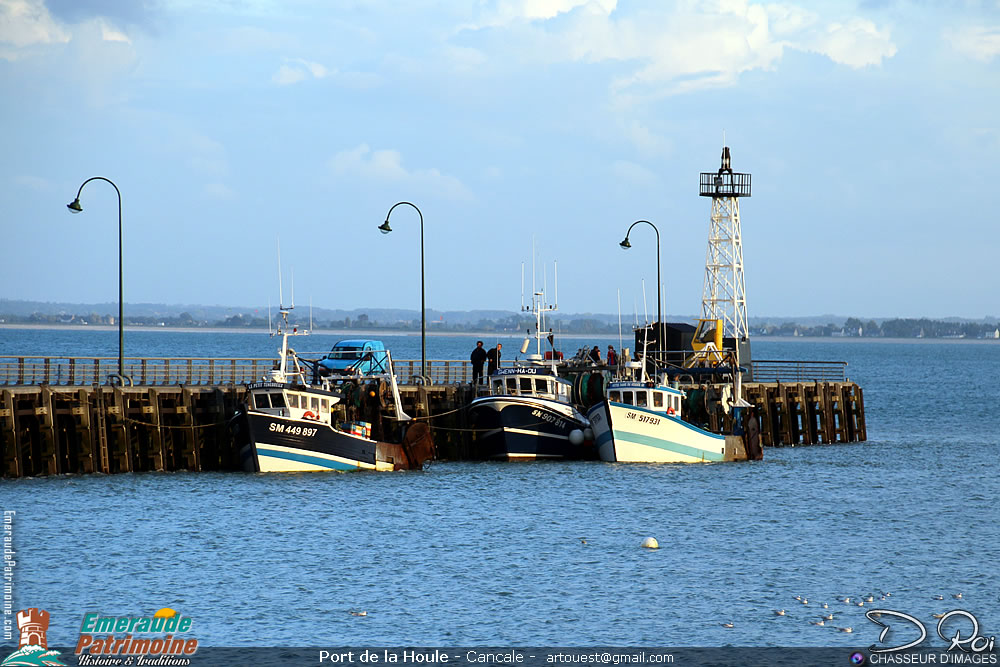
894,328
513,322
852,326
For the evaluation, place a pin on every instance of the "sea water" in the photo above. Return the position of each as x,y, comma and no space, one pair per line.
543,554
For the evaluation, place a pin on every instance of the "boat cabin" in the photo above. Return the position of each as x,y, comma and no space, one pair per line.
654,397
528,381
281,400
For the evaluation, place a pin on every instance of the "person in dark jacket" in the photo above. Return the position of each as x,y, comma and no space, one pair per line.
595,355
478,358
493,357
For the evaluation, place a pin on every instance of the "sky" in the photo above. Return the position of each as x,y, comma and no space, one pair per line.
526,131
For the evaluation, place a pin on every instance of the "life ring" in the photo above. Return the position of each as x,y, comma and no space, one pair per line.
671,411
308,414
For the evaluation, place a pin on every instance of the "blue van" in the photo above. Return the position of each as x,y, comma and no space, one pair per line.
363,356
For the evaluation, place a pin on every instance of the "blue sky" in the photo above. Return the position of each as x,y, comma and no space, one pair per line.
871,130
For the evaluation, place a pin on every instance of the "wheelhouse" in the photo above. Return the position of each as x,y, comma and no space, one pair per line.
282,400
657,398
533,382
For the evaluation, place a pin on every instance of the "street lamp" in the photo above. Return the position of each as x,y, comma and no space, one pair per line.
75,207
385,229
625,245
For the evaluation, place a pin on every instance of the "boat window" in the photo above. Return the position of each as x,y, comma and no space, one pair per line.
616,396
261,401
542,387
324,405
314,403
627,398
511,385
525,385
640,399
277,400
498,387
657,399
293,400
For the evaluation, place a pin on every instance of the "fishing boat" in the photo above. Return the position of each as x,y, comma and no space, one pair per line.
304,417
527,411
642,422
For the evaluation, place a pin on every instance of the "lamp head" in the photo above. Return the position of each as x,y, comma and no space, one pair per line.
74,206
625,245
384,227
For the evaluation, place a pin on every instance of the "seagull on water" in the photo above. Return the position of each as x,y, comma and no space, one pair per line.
848,629
798,597
957,596
938,615
826,606
728,625
359,613
583,540
819,622
870,598
846,600
828,617
779,612
938,597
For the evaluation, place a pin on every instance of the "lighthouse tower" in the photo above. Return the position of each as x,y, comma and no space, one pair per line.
724,296
33,624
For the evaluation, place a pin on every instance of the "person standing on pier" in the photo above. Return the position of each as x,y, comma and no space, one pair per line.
612,356
595,355
493,357
478,358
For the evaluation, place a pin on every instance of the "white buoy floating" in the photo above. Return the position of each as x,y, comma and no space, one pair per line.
650,543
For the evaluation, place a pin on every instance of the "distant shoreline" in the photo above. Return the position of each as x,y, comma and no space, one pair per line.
485,335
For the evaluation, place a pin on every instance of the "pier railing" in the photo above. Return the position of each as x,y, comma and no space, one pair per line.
188,370
206,371
799,371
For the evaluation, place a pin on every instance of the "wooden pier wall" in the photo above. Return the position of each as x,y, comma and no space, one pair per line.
51,430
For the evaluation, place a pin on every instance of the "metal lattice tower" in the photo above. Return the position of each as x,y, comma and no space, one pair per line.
724,296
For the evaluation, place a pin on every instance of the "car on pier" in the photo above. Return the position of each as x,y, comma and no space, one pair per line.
358,355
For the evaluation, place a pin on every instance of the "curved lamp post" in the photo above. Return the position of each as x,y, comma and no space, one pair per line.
385,229
75,207
625,245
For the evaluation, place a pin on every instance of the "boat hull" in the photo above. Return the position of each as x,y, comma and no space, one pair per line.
629,434
270,443
511,428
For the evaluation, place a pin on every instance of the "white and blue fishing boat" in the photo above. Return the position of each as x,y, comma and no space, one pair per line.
642,422
303,417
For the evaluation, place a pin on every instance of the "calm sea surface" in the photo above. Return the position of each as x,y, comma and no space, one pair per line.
494,554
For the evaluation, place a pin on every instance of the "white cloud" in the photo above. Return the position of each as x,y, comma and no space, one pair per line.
109,34
297,69
386,166
288,75
856,43
677,47
26,23
978,42
506,12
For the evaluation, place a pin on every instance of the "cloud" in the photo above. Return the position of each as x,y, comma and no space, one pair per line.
109,34
386,166
297,69
25,23
506,12
856,43
678,47
977,42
